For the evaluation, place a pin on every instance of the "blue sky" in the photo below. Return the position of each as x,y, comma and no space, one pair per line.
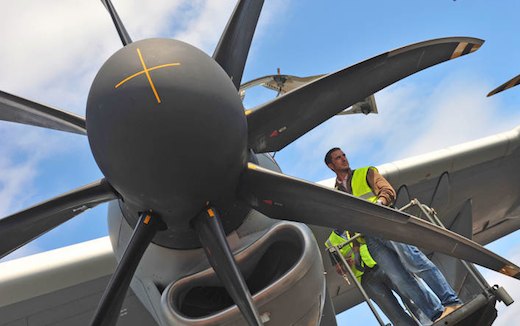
51,51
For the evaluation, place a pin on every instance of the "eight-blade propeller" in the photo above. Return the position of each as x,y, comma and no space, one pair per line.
270,127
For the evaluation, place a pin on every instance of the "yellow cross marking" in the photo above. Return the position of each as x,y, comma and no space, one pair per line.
146,71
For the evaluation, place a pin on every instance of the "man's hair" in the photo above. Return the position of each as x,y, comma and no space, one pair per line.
328,156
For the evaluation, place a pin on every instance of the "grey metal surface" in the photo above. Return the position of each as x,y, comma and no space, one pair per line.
482,171
61,287
300,284
73,305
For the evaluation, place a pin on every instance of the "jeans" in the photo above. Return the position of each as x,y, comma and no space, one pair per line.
384,254
416,262
379,288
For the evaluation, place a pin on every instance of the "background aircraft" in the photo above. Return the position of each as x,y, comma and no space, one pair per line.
57,65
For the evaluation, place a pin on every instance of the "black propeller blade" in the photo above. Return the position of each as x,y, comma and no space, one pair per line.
123,34
17,109
213,239
233,47
508,84
24,226
283,197
109,307
273,126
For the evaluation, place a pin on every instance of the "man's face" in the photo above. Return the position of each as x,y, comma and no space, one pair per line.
339,161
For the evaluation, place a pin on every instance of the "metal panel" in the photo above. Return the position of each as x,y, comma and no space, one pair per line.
74,305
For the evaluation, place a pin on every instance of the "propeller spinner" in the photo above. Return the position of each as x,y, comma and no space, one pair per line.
144,102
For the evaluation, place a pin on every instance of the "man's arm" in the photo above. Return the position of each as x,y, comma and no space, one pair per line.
381,187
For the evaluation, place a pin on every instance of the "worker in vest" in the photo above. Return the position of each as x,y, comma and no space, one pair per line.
373,279
368,184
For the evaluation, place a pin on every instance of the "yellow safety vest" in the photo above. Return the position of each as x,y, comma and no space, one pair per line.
360,186
366,259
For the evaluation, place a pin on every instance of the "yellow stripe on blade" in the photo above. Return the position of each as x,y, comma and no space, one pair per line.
458,50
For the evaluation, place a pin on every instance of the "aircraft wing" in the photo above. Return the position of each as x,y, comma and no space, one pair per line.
474,188
63,287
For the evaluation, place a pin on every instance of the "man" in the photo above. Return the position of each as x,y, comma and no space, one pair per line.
373,279
393,257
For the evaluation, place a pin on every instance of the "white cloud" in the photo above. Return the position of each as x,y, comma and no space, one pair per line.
205,23
457,111
21,152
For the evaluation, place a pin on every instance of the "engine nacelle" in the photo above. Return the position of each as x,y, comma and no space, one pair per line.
279,260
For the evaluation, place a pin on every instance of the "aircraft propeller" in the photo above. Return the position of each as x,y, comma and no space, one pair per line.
169,133
508,84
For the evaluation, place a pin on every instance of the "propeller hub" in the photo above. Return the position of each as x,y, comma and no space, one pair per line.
167,128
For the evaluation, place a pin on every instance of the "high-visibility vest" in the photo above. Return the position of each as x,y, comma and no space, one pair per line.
348,250
360,186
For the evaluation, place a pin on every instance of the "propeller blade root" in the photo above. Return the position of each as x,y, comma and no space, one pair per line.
213,240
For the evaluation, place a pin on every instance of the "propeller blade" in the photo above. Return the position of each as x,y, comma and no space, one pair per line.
233,46
508,84
17,109
279,83
213,240
109,307
283,197
123,34
24,226
272,126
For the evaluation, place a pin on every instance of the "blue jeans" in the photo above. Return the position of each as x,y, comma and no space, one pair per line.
379,288
384,254
416,262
